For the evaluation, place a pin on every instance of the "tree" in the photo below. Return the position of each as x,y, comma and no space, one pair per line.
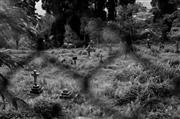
28,6
125,11
13,20
126,2
111,6
99,9
162,7
65,12
165,11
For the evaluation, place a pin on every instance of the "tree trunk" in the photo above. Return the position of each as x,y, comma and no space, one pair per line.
99,9
111,5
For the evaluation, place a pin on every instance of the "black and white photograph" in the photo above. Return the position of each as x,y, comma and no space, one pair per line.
89,59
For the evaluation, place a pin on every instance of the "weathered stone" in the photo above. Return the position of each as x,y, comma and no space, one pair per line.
36,89
65,94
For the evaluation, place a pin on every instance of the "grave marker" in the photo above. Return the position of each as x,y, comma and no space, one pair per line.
148,43
65,94
74,59
88,49
36,89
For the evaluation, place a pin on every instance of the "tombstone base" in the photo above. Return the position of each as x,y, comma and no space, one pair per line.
36,89
65,94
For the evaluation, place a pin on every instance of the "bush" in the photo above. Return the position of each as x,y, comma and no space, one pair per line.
48,109
162,90
129,95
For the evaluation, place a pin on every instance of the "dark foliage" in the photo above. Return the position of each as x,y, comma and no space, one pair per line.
5,83
7,60
58,31
163,7
126,2
99,9
75,22
111,5
48,109
65,12
130,95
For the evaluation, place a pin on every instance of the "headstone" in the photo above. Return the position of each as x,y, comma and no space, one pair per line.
65,94
36,89
148,43
88,49
74,59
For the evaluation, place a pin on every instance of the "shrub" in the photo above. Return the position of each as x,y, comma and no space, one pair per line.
155,90
158,115
129,95
48,109
174,63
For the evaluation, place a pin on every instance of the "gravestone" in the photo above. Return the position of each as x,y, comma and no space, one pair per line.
148,43
88,49
36,89
74,59
65,94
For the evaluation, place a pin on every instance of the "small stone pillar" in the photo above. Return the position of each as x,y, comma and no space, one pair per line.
148,43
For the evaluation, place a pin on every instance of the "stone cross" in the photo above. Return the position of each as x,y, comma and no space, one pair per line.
35,74
89,50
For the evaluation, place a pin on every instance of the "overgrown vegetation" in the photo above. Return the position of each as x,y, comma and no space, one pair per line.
121,78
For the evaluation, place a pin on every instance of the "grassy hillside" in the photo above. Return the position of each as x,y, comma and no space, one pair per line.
137,86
